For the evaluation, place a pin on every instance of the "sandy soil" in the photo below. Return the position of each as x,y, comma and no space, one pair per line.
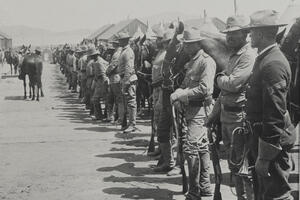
51,150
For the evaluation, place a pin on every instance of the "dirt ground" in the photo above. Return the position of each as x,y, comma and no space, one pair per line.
52,150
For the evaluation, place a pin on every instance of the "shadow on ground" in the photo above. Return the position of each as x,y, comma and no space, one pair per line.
141,193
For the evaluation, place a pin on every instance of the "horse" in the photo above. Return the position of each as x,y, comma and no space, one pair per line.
290,46
32,66
13,60
144,55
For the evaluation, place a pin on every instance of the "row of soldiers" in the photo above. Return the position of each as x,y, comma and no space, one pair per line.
253,88
110,80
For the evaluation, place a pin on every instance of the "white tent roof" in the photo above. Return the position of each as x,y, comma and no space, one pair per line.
150,34
138,33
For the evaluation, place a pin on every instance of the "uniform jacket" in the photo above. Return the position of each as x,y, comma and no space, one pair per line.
82,62
199,78
99,69
111,71
157,67
126,65
71,62
267,92
232,83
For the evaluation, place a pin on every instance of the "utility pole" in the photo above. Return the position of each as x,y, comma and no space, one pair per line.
235,8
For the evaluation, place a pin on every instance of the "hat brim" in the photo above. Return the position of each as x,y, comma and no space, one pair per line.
124,38
264,26
192,41
233,29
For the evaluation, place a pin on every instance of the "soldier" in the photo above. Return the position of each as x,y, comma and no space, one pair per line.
115,86
100,83
39,69
89,81
266,109
195,97
128,80
82,61
161,110
229,107
161,43
73,70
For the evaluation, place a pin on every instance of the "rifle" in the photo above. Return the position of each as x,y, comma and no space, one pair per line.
151,147
216,164
211,131
179,135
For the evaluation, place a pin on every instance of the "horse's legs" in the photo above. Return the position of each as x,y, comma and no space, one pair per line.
41,88
37,88
11,69
33,91
24,84
30,89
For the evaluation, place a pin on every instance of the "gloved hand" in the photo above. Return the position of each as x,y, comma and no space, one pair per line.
262,167
179,95
178,106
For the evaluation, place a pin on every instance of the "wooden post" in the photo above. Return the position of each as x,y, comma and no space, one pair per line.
235,8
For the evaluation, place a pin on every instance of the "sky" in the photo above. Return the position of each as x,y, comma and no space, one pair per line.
63,15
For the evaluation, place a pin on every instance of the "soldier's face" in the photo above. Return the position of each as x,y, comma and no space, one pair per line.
256,37
236,39
191,48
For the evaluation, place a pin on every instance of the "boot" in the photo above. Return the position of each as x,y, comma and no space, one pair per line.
167,154
194,176
239,187
97,111
156,152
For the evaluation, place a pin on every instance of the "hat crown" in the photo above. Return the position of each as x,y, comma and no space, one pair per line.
123,35
265,18
237,21
191,36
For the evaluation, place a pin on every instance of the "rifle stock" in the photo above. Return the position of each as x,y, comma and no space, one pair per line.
179,135
151,147
216,164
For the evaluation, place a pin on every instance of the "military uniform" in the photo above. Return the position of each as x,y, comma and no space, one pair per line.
115,86
230,106
195,94
128,82
267,113
99,85
82,62
89,81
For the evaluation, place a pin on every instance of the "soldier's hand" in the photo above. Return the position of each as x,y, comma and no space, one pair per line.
178,106
262,167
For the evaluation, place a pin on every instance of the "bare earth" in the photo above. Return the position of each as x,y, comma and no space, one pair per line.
51,150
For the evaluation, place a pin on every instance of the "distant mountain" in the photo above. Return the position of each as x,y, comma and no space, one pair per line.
36,36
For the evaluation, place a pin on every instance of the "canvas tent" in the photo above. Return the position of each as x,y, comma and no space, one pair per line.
5,41
131,26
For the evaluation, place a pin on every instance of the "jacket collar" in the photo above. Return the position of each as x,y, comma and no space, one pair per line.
243,49
200,53
266,51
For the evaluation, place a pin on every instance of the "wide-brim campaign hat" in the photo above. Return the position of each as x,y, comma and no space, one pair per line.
191,35
264,18
123,36
92,52
236,23
38,49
